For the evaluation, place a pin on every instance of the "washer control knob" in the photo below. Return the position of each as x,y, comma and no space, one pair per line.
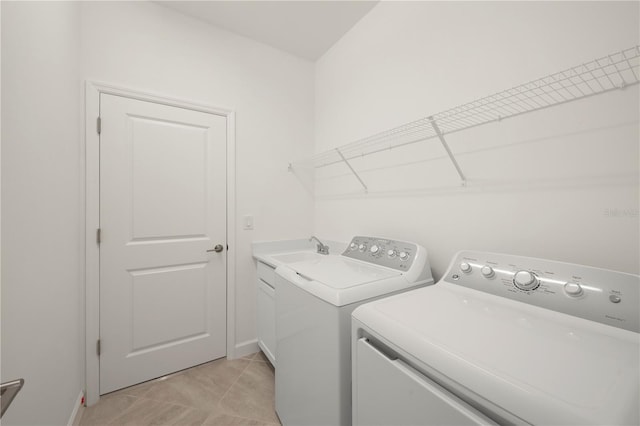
362,247
465,267
353,246
391,254
374,249
403,255
573,289
487,271
526,280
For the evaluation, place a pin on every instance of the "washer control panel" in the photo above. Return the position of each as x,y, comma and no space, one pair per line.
608,297
384,252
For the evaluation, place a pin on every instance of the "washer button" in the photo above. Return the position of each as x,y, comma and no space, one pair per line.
615,298
573,289
487,271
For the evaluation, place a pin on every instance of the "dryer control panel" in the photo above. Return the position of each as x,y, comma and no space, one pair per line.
601,295
394,254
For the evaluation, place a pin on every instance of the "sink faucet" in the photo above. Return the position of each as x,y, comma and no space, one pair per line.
322,248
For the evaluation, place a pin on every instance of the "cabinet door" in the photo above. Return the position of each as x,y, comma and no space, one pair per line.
389,392
267,320
266,273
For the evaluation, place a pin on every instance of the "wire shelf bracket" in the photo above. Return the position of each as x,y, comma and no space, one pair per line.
352,170
616,71
449,153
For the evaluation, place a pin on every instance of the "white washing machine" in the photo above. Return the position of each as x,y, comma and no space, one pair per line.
314,302
501,340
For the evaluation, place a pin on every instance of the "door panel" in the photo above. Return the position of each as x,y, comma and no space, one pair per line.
162,206
171,156
157,302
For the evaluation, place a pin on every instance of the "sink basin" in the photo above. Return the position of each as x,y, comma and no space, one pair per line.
300,256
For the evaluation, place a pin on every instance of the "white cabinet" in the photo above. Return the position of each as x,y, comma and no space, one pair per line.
267,311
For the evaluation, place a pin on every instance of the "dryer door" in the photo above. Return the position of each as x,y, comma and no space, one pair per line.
390,392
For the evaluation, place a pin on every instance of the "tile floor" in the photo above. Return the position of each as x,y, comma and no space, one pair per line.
221,392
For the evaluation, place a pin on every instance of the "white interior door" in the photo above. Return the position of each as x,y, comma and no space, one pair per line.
162,207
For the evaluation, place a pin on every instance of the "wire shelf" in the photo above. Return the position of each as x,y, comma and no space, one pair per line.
612,72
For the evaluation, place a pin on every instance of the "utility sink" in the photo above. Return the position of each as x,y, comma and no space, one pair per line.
299,256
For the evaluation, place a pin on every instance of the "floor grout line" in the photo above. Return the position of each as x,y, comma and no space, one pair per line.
149,398
235,381
216,408
100,422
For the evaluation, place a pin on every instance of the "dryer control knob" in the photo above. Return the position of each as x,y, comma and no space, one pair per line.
487,271
526,280
374,249
391,253
403,255
465,267
353,246
573,289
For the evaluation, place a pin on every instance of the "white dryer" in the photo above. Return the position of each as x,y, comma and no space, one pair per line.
501,339
314,302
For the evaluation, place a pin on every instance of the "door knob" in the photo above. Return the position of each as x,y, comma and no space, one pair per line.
218,248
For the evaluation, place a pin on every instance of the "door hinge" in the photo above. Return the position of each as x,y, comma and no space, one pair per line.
98,236
99,125
98,347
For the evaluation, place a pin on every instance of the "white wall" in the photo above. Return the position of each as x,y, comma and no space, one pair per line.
148,47
41,290
561,183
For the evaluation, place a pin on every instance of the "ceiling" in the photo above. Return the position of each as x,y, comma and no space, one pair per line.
303,28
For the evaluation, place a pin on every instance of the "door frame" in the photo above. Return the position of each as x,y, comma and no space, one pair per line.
91,149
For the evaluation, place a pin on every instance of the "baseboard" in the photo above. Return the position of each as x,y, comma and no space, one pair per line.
78,409
247,347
